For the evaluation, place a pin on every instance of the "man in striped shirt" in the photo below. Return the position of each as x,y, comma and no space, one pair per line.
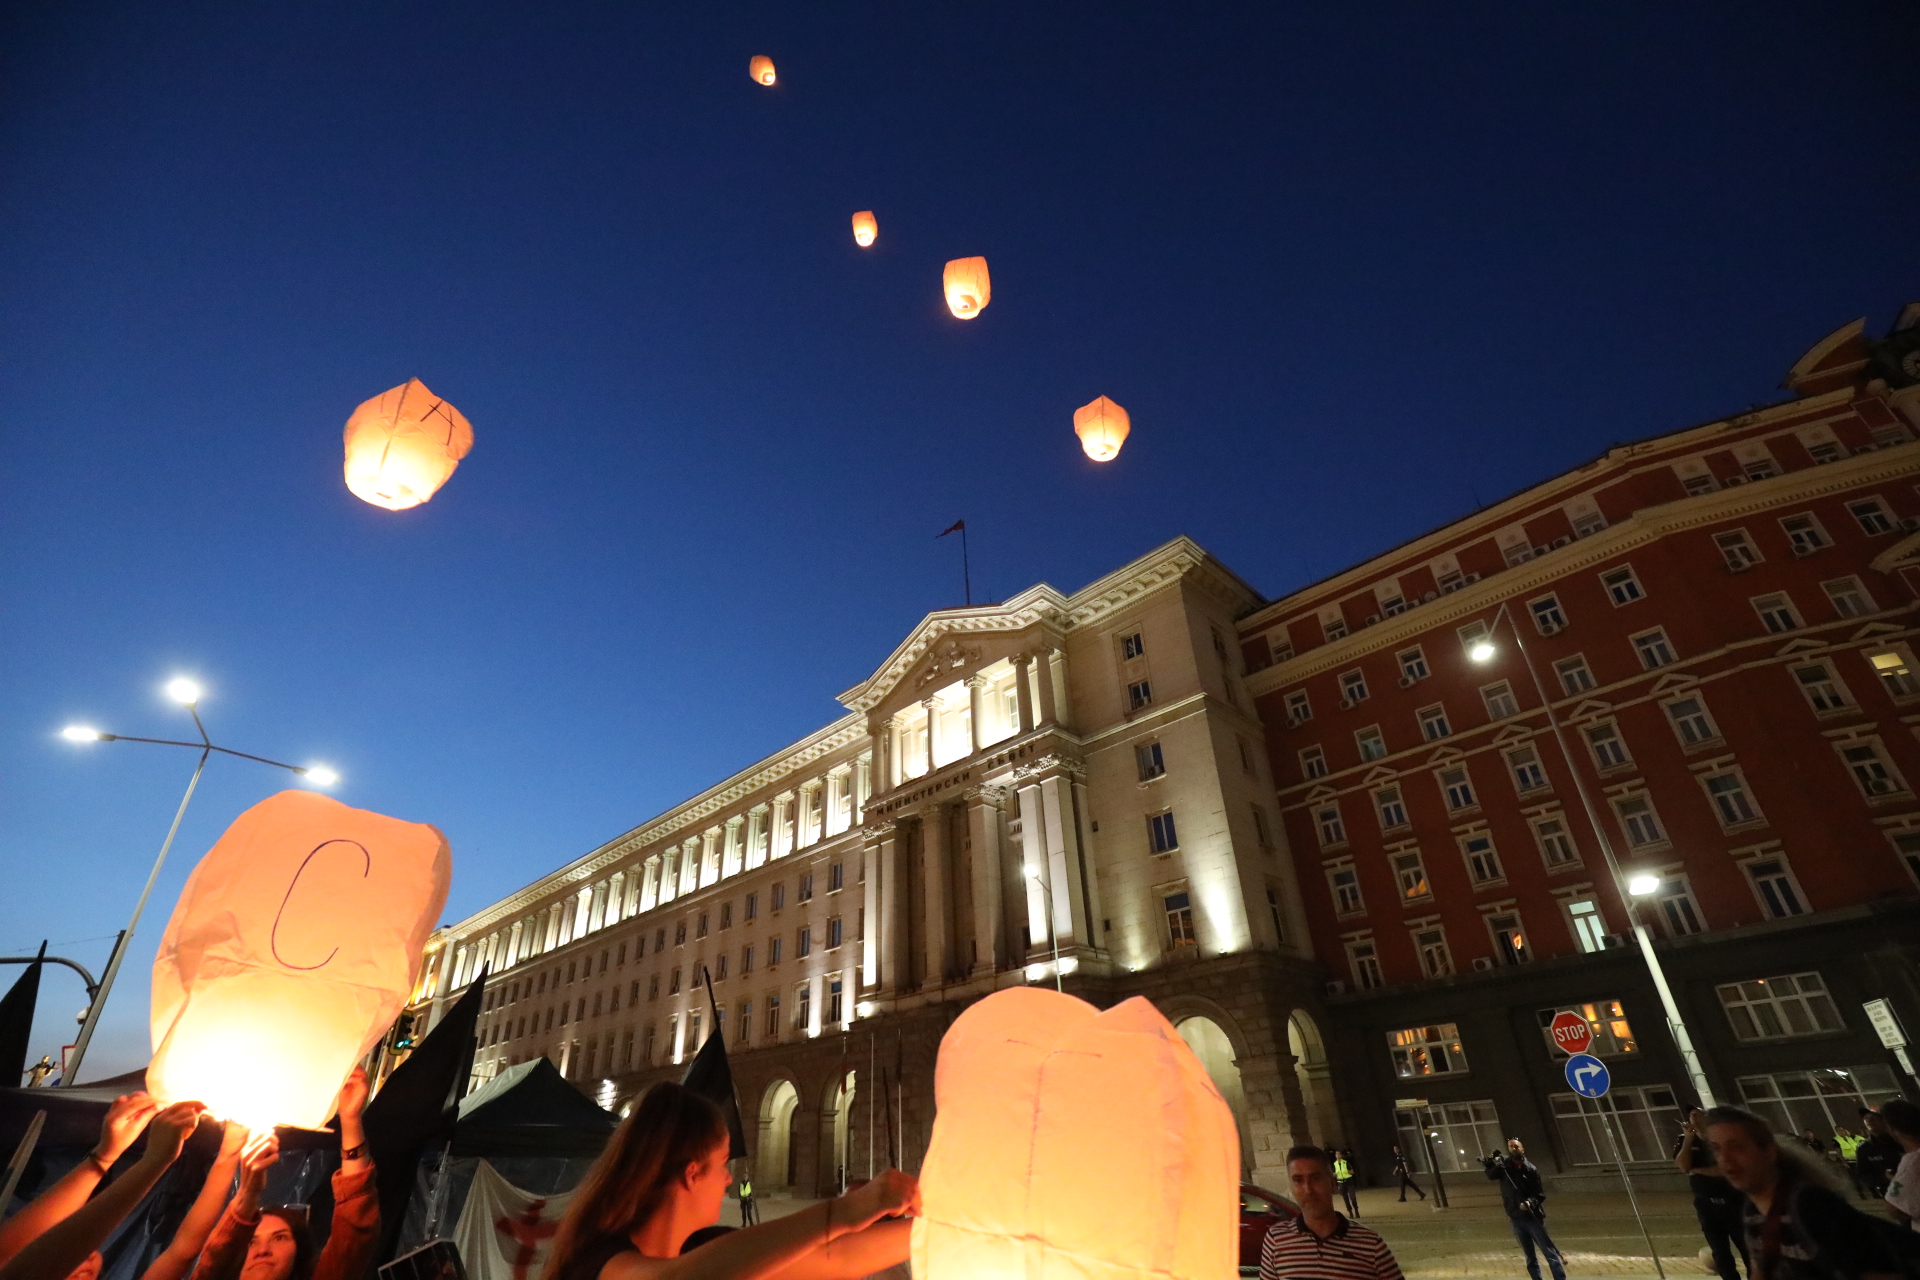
1322,1243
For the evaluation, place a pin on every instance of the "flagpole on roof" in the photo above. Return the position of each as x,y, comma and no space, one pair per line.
966,569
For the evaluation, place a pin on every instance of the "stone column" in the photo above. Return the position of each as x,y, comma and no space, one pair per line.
709,856
933,730
983,829
976,703
1033,853
881,774
1023,692
805,1137
1054,676
1043,681
892,924
1063,862
776,824
933,834
862,789
735,859
870,897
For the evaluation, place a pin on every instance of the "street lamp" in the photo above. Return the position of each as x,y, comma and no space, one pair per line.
187,693
1640,886
1032,872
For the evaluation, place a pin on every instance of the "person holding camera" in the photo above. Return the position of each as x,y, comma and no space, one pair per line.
1525,1200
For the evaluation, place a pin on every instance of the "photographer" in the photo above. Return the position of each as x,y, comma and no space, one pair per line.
1525,1201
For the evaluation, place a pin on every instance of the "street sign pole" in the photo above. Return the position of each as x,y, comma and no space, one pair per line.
1591,1080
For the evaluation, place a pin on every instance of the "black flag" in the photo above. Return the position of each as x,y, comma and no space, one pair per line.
417,1105
16,1023
958,526
710,1076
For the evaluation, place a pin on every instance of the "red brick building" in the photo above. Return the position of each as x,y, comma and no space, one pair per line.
1723,621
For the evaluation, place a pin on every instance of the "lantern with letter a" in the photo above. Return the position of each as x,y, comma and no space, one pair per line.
402,445
1072,1142
969,287
295,944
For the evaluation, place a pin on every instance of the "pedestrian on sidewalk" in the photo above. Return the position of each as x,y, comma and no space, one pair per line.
1874,1159
1343,1174
1903,1192
1525,1200
1798,1224
1715,1203
1322,1243
749,1212
1403,1173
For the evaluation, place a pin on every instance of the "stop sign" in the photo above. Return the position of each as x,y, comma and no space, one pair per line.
1571,1034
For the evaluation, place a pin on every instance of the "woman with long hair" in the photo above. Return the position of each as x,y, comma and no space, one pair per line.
664,1176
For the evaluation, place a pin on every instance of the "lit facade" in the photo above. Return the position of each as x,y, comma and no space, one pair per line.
1723,621
1063,784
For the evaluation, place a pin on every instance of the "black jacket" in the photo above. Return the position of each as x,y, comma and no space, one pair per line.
1519,1180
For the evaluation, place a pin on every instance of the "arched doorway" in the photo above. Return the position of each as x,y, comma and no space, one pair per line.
1316,1079
773,1157
842,1167
1210,1044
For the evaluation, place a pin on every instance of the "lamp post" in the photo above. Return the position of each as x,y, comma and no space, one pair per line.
1032,872
1639,886
187,694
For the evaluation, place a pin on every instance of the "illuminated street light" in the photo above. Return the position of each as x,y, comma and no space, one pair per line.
1638,887
187,693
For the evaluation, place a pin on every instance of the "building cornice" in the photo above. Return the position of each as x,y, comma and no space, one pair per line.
1616,464
1611,543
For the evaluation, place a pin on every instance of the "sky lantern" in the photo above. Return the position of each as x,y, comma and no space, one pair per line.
761,69
402,445
968,287
865,229
1071,1142
295,944
1102,427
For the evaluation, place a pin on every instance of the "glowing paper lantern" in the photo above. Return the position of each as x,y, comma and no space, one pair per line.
402,445
1070,1142
865,229
294,946
761,69
1102,427
969,288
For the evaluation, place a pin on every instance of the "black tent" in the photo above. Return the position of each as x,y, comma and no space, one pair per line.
536,1130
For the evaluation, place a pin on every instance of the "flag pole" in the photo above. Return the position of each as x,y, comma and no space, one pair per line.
966,569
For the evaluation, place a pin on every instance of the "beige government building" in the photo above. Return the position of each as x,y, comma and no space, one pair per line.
1062,787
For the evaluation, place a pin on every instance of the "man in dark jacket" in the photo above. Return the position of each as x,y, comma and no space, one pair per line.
1525,1200
1875,1159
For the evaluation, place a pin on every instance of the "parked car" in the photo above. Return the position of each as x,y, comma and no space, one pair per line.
1259,1210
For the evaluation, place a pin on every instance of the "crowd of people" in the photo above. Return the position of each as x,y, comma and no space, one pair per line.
1780,1207
649,1207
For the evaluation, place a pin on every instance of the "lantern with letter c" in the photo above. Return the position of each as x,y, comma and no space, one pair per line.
761,69
295,944
865,228
1102,427
403,444
1073,1142
968,287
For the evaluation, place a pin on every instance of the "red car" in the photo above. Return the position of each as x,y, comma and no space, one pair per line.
1259,1210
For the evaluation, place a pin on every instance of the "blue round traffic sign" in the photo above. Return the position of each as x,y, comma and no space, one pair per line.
1588,1075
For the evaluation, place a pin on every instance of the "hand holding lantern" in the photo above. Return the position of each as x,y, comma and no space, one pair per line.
127,1116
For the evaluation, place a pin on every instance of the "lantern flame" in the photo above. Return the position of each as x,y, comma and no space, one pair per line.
761,69
1028,1174
865,228
968,286
1102,427
402,445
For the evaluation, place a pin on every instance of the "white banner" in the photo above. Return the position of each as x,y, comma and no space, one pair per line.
504,1232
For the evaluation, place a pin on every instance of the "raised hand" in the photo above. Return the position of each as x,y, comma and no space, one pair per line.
259,1154
233,1139
168,1131
889,1193
125,1119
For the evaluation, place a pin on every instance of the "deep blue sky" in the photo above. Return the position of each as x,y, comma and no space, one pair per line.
1352,269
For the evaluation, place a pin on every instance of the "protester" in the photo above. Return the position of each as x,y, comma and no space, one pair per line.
1797,1223
1403,1173
1715,1203
664,1176
1903,1192
1321,1243
56,1242
1343,1174
252,1243
1874,1159
1525,1200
